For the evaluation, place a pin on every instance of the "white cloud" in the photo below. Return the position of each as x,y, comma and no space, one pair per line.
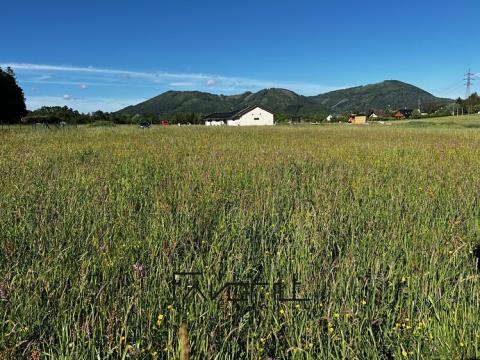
180,83
124,74
197,81
83,86
42,78
67,97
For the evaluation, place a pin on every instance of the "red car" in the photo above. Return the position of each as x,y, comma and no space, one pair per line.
164,123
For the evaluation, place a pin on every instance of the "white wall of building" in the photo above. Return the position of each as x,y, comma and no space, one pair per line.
257,116
214,123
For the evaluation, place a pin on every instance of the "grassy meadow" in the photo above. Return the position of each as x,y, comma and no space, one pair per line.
379,224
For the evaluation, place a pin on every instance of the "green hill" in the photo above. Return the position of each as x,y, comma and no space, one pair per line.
277,100
391,94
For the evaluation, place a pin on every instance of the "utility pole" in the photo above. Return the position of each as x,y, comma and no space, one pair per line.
468,82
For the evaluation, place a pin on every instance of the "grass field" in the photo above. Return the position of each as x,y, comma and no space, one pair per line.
381,225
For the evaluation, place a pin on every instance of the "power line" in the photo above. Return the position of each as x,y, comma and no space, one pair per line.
469,80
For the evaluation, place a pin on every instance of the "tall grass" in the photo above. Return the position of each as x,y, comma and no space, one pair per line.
380,224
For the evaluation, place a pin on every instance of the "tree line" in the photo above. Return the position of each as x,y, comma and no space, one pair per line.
13,110
469,105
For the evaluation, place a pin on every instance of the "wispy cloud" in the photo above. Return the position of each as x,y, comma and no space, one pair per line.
108,77
82,104
112,89
182,83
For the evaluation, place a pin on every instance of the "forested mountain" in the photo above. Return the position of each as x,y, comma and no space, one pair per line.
387,95
390,94
277,100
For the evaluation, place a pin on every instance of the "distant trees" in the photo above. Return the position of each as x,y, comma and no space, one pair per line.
99,116
188,117
416,114
470,105
55,114
432,107
12,100
281,118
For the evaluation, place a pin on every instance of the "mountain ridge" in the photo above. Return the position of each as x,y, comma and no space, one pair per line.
385,95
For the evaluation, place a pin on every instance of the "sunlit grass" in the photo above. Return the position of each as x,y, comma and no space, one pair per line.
380,223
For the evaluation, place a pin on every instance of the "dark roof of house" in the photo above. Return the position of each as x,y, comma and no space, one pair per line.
221,116
233,115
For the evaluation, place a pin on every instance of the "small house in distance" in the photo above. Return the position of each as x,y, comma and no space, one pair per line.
250,116
357,119
378,115
403,114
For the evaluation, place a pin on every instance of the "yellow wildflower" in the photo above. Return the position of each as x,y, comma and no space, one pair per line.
404,353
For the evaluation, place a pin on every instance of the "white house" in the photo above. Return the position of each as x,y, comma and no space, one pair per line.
251,116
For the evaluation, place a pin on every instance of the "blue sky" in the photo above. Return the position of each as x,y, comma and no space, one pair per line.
106,54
